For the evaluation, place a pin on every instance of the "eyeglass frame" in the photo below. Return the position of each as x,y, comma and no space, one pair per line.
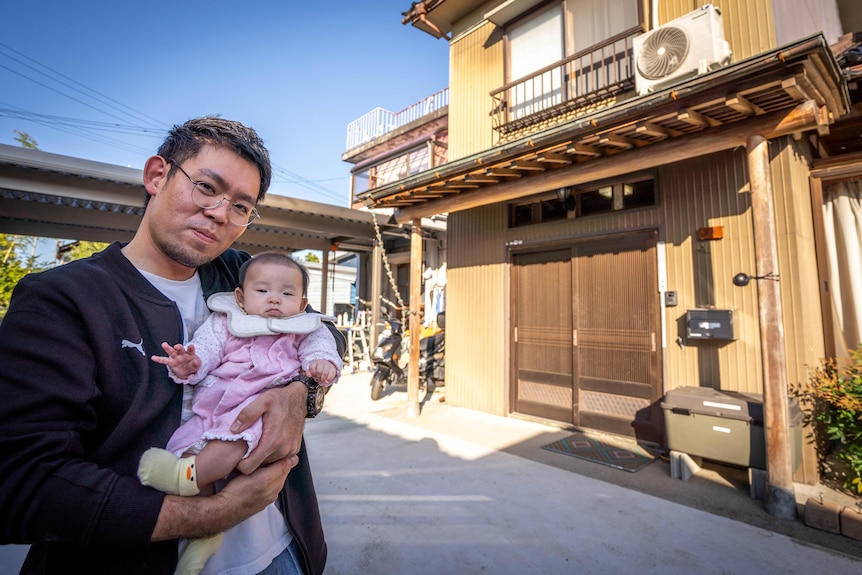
253,214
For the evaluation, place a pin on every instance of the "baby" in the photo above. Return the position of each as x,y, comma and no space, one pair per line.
259,337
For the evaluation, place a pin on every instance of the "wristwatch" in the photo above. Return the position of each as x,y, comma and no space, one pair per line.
315,394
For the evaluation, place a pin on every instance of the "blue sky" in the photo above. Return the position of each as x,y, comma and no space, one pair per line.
298,72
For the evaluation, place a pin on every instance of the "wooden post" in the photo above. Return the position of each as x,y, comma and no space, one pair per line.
374,296
780,498
415,319
324,281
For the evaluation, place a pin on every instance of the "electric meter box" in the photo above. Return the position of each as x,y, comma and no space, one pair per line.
714,324
725,426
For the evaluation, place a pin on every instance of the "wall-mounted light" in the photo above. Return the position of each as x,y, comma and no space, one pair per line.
566,198
742,279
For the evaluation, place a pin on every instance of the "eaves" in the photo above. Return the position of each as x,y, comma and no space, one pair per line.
762,90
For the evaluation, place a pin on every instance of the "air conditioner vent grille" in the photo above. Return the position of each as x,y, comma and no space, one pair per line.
663,52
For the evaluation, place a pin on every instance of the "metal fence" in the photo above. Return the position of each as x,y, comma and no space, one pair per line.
380,121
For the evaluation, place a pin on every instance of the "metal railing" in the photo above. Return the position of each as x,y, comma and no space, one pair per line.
380,121
594,74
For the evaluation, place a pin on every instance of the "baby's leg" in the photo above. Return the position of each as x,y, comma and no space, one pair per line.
166,472
218,459
196,554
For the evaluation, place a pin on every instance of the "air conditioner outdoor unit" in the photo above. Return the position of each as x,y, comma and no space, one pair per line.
683,48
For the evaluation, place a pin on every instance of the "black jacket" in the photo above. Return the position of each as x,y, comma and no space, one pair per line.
82,401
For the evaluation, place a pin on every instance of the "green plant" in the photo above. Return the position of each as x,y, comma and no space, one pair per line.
839,391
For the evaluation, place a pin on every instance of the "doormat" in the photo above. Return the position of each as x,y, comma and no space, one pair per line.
605,451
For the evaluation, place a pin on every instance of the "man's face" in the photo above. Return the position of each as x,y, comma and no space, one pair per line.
186,233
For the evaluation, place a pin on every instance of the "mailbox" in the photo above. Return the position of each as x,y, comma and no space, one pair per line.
714,324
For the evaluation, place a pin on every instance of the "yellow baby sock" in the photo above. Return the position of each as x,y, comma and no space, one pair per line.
166,472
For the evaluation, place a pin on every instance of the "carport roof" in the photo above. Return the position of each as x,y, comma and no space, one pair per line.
50,195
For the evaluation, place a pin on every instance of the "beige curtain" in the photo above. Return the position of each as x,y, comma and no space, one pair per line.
842,214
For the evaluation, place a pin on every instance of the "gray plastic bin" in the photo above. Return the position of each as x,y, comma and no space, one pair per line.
724,426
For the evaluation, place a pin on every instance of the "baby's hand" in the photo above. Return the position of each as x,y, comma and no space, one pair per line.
181,361
322,371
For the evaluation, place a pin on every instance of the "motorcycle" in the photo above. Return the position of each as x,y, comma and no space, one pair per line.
432,351
389,358
392,354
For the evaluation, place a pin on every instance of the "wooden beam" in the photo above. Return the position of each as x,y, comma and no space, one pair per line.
555,158
822,87
742,105
655,131
584,150
528,165
794,88
803,117
460,185
503,172
780,500
481,178
616,141
696,119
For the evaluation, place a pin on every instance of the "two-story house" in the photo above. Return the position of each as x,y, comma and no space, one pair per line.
385,147
642,195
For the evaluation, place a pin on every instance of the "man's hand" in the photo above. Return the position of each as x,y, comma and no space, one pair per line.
242,497
282,412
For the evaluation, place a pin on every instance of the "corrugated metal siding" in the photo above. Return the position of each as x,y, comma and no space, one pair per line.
476,318
748,24
476,68
797,258
710,191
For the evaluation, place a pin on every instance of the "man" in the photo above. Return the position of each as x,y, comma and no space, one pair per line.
82,400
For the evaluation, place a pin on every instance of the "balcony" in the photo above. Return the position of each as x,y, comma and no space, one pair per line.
380,121
598,73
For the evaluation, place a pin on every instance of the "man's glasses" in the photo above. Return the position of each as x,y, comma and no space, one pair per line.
204,196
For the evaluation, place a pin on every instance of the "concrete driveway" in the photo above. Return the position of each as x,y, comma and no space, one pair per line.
445,493
457,492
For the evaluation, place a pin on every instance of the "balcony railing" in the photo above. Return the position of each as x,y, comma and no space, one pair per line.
379,121
592,75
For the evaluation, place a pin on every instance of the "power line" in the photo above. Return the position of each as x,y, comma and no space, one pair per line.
307,184
94,130
87,91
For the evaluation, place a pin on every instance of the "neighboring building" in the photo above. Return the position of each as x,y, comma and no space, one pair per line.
340,287
386,147
606,181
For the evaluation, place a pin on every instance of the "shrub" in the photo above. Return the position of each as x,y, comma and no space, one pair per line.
838,391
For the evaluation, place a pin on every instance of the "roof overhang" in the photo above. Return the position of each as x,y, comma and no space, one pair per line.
794,89
49,195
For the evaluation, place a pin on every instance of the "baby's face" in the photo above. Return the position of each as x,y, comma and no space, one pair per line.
272,290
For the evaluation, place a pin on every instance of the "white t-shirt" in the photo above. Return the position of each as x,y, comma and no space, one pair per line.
247,548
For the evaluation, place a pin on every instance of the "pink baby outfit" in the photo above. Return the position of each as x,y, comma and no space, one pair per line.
234,370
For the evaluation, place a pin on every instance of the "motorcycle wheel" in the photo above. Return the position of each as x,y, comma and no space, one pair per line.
376,385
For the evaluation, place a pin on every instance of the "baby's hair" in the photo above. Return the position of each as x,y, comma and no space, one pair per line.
275,257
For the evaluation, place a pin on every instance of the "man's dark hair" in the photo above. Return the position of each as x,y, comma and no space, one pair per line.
275,257
184,141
